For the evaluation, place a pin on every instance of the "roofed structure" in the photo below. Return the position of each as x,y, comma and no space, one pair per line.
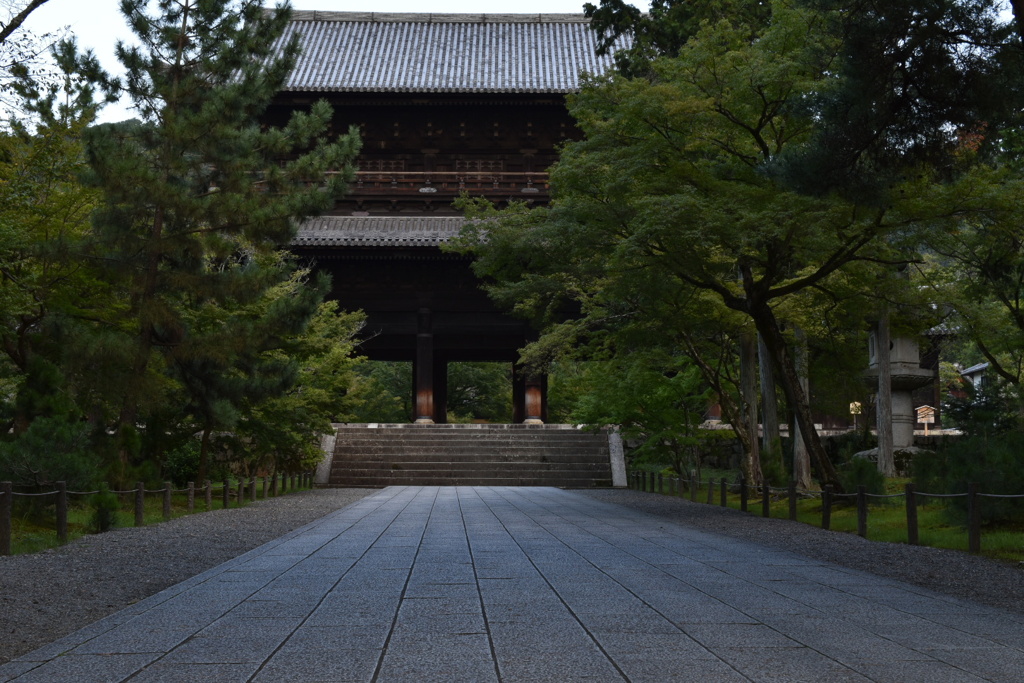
446,104
436,53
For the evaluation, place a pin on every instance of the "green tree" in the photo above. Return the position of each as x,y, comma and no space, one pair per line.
655,400
196,175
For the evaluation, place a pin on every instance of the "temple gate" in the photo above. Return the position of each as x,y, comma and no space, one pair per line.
446,104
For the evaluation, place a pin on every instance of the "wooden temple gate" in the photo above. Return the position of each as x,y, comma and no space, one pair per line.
446,104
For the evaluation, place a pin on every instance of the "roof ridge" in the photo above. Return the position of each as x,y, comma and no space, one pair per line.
436,18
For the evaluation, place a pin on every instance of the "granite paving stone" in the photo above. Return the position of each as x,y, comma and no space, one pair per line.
530,584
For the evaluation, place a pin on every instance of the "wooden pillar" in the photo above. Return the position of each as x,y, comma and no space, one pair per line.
530,396
440,389
518,395
535,400
423,369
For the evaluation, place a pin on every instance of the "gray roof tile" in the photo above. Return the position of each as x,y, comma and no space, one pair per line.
377,231
371,52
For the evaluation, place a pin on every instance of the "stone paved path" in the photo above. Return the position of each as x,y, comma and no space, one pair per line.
530,584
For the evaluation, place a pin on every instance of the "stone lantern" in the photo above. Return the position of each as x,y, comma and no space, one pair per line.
907,375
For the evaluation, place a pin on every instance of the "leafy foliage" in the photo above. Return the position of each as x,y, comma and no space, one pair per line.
994,462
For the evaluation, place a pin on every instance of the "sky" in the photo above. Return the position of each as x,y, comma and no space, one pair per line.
98,24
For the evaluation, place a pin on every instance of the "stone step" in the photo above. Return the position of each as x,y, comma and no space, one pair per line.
506,452
489,461
499,455
407,466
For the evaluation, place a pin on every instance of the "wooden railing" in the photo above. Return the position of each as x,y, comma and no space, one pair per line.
526,184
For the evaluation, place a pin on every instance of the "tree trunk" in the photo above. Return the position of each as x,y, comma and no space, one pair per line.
732,412
886,464
748,393
768,326
801,461
204,453
771,441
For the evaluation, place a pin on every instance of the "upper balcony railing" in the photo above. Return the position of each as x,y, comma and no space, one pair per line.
449,183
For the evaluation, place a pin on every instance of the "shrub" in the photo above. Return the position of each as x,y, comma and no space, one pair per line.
862,472
995,463
105,507
52,449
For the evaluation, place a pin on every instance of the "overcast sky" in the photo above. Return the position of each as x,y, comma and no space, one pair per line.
98,23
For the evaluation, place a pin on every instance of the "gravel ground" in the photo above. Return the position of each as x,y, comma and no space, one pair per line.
52,593
55,592
1000,584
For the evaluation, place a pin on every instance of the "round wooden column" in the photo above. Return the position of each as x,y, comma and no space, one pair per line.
423,370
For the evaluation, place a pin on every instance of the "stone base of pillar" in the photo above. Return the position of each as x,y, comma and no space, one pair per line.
424,421
533,421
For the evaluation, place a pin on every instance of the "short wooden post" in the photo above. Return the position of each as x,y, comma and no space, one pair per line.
6,513
208,494
862,511
62,511
766,500
140,503
252,488
826,507
792,500
651,483
693,486
284,484
226,494
191,499
293,482
711,490
264,494
661,484
973,518
725,492
743,493
240,494
168,490
273,485
911,496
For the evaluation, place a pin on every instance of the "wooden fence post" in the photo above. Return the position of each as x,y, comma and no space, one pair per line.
168,490
908,490
661,483
723,486
792,500
140,503
62,511
973,518
264,493
711,490
191,497
252,488
862,511
743,493
240,496
693,486
6,506
826,508
208,494
766,500
284,483
226,494
293,482
273,485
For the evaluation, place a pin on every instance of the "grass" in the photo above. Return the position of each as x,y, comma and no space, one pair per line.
887,520
34,526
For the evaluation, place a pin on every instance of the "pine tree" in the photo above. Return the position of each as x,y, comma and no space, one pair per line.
195,177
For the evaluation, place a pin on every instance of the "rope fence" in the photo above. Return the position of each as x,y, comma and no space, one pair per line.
244,490
657,483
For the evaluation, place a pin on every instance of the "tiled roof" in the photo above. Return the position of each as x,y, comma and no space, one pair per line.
373,52
377,231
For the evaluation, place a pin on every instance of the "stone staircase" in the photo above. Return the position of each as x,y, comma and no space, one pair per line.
377,455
